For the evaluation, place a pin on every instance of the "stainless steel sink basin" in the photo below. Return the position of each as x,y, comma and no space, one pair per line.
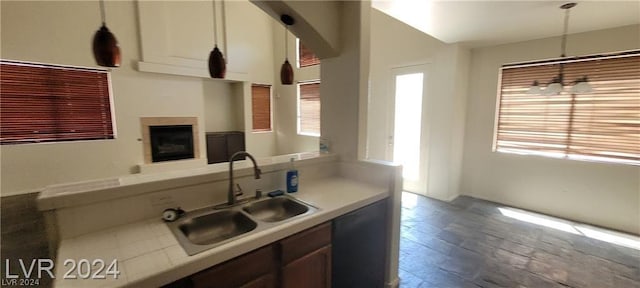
275,209
206,228
216,227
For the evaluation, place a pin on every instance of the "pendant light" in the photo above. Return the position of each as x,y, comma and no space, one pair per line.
286,71
105,46
217,64
556,85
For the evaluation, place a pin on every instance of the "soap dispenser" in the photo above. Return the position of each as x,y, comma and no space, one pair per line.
292,178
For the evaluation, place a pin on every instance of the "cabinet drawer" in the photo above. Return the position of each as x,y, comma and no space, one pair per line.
239,271
305,242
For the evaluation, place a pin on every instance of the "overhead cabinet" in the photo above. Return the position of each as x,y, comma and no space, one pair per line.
176,37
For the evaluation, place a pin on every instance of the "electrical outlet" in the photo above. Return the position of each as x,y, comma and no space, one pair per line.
162,201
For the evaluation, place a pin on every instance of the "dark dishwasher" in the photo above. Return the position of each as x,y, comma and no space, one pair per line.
359,247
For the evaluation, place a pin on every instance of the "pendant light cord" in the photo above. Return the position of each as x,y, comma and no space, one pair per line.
215,25
286,43
102,16
224,30
563,45
564,33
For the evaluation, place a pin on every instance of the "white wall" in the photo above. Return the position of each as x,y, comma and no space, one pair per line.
286,96
316,20
344,82
602,194
395,44
222,108
60,32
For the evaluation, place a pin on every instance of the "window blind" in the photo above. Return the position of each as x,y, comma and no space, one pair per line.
603,125
306,57
261,107
309,108
44,103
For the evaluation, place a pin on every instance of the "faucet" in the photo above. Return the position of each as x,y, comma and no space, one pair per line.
231,196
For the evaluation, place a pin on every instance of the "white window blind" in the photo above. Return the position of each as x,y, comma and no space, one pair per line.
603,125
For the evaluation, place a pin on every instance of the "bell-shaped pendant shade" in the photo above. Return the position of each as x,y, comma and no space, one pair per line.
105,48
534,89
553,89
286,73
582,86
217,65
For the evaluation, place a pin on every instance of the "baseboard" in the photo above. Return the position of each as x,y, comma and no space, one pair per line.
395,283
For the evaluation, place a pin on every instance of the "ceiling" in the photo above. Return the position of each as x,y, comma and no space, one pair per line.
486,23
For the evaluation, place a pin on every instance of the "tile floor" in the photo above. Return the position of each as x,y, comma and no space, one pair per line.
470,243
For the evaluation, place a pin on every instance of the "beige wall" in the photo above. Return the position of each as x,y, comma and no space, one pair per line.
394,45
602,194
286,97
60,32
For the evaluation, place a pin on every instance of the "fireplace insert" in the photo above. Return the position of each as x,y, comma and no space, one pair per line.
171,142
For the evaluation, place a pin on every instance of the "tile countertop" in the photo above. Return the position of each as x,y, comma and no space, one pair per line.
148,254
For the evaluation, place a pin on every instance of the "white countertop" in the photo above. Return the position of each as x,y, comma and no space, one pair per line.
148,254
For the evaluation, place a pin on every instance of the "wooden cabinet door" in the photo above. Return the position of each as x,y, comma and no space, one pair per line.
235,143
249,270
265,281
217,148
221,145
310,271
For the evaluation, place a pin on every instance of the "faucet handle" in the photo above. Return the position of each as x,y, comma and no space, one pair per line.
238,191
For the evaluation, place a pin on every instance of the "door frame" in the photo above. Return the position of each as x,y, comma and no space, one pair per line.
419,186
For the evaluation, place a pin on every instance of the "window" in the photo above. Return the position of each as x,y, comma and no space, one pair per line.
306,57
603,125
309,108
46,103
261,107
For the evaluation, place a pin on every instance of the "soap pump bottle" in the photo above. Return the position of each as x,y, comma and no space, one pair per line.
292,178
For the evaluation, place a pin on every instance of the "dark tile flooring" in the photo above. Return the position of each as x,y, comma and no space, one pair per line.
469,243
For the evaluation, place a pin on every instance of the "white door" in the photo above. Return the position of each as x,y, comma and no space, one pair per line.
406,140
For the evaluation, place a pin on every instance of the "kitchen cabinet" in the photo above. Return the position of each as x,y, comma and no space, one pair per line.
167,42
221,145
301,260
254,269
306,258
349,251
311,271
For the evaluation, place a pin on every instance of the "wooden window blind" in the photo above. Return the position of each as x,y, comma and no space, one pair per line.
309,108
306,57
603,125
261,107
45,103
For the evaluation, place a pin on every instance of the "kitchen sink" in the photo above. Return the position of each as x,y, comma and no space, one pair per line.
216,227
275,209
206,228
